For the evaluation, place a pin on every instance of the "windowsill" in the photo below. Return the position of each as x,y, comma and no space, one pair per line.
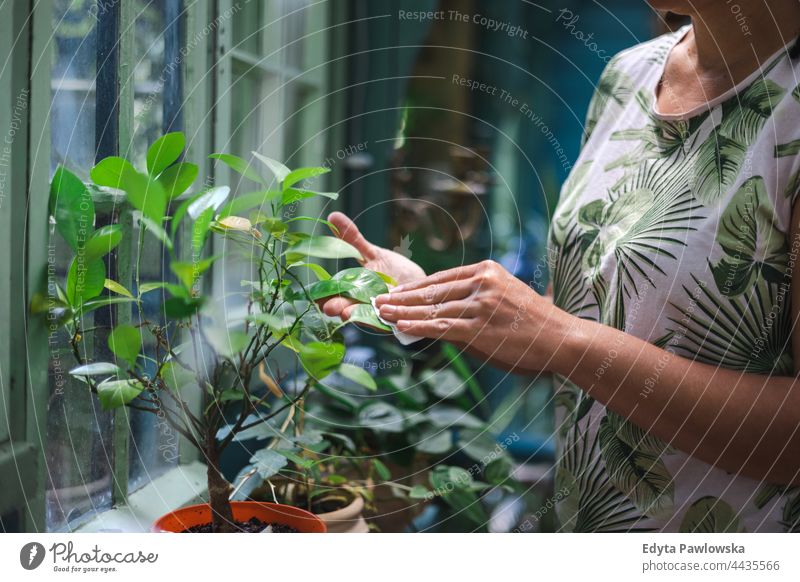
183,485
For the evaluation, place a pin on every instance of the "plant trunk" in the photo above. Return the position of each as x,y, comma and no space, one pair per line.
219,491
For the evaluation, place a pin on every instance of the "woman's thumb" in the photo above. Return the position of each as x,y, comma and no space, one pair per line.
349,233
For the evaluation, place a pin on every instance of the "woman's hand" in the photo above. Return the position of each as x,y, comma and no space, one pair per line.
483,307
376,258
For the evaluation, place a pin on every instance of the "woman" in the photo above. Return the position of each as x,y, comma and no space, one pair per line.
672,255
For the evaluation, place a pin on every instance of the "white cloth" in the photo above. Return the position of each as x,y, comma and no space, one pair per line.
404,338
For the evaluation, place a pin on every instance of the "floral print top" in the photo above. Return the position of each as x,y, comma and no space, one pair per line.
675,229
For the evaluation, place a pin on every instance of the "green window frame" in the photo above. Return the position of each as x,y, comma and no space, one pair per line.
208,66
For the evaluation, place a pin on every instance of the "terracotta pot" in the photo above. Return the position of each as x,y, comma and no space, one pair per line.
347,519
186,517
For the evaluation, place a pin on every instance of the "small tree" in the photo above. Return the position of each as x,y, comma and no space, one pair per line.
192,348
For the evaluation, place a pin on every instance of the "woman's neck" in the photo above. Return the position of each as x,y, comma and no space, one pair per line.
732,37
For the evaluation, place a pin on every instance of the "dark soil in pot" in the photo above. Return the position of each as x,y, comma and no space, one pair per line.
253,525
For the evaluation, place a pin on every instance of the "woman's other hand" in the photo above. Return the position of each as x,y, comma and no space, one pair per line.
376,258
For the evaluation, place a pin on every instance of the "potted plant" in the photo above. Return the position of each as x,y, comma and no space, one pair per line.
196,347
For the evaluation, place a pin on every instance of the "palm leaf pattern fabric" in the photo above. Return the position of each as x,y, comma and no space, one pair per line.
674,228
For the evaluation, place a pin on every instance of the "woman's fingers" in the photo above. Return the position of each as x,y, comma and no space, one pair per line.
444,328
440,278
428,295
449,310
349,233
338,307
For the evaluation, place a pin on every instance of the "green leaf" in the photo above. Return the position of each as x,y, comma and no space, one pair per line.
102,242
292,195
227,343
327,223
115,287
176,377
152,286
72,207
164,152
146,194
325,247
247,201
381,469
182,307
318,270
498,471
381,416
211,199
366,284
96,369
418,492
268,463
447,416
365,315
711,515
85,280
188,273
178,178
238,165
200,230
111,172
116,393
328,288
301,174
435,441
125,341
358,375
320,359
157,231
278,169
181,212
389,280
90,306
444,383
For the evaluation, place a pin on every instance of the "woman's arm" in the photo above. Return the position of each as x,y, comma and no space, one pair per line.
743,423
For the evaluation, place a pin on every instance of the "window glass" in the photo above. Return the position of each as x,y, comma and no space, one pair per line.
78,434
154,443
247,26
